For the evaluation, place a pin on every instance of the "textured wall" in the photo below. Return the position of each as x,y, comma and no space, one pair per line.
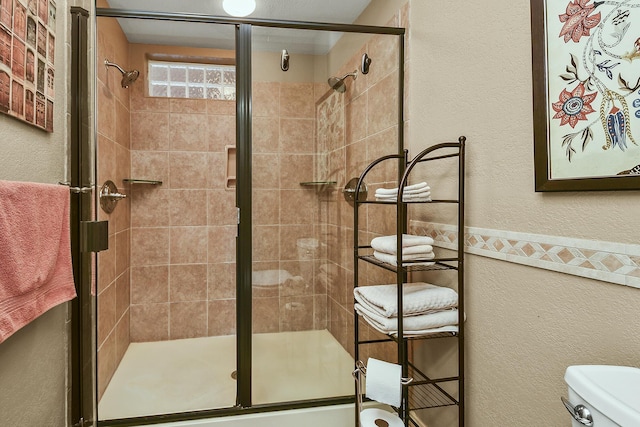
33,362
525,325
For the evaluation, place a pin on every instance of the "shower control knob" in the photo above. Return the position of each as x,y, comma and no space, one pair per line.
109,196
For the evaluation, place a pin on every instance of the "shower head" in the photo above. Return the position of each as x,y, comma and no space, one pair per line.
337,83
128,77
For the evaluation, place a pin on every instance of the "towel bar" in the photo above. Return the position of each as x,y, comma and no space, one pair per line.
80,190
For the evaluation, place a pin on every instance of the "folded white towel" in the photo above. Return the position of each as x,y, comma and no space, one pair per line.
388,244
410,323
415,188
418,298
405,199
422,332
415,259
421,194
417,197
414,250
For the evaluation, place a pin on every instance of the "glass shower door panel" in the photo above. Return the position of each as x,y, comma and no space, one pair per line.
300,351
166,288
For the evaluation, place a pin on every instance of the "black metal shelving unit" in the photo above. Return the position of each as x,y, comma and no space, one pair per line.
423,392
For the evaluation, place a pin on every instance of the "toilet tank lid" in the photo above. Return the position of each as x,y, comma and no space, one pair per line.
612,390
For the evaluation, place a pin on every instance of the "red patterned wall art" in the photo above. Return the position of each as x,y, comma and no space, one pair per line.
27,65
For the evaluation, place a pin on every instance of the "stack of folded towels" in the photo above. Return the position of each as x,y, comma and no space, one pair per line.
427,308
420,192
417,250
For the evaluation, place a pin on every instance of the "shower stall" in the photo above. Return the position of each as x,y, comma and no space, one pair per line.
226,286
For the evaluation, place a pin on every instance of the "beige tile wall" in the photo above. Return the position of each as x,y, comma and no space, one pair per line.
113,151
356,128
183,232
285,211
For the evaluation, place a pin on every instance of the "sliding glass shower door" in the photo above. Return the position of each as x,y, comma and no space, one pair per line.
295,356
166,289
227,283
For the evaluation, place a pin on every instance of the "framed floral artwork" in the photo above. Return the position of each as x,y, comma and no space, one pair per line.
586,94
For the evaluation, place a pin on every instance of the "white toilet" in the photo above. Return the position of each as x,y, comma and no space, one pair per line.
609,396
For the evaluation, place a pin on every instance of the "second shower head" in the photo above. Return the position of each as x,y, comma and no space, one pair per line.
128,77
338,84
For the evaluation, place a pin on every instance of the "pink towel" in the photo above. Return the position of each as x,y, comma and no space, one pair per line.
35,252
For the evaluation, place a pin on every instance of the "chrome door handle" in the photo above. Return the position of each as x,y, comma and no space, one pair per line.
579,412
116,196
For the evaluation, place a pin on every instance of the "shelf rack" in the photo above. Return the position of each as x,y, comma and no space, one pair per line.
423,392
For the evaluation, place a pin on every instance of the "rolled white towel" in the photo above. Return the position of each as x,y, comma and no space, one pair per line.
388,244
418,298
415,188
417,259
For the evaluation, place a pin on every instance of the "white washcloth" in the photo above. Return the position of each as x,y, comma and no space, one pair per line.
389,244
415,188
410,323
415,259
418,298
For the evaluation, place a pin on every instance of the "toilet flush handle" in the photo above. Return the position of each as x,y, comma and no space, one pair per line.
579,412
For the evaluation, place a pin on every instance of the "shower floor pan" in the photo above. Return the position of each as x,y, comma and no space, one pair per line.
193,374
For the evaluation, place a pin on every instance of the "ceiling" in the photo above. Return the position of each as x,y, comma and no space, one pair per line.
223,36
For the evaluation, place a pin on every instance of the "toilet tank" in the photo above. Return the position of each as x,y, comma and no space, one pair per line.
610,393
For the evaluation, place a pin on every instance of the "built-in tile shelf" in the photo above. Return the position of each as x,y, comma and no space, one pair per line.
605,261
141,181
230,177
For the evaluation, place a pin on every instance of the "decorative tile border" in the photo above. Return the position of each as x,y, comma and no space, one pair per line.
606,261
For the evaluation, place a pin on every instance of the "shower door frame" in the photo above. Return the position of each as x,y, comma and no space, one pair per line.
244,187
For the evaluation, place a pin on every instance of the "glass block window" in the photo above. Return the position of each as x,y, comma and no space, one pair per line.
191,80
